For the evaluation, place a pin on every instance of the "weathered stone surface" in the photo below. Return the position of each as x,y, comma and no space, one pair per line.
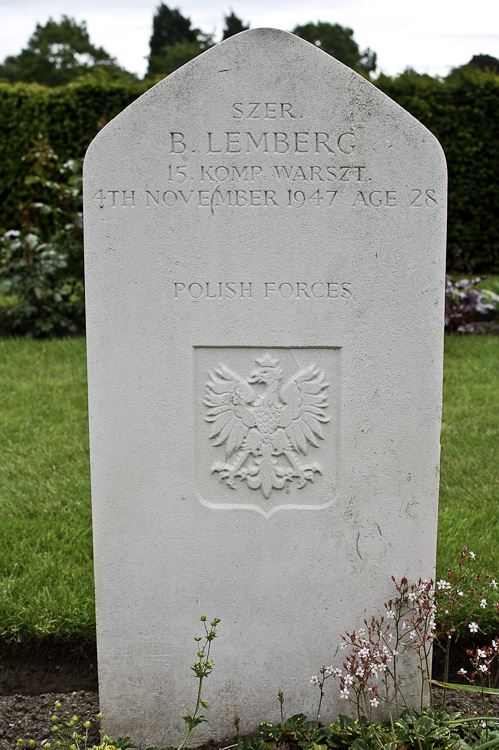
265,263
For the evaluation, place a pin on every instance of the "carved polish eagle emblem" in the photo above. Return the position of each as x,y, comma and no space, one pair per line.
266,432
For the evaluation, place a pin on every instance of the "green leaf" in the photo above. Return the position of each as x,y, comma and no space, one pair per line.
466,688
490,744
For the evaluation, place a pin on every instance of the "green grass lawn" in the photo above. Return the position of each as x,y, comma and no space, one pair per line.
469,476
46,576
46,579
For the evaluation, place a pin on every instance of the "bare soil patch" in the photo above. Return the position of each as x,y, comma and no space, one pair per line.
34,676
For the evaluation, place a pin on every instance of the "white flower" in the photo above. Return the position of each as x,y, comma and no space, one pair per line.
460,593
337,672
374,702
314,680
348,679
481,653
363,653
412,597
483,723
390,614
344,693
472,555
462,672
473,627
483,603
494,583
443,584
483,668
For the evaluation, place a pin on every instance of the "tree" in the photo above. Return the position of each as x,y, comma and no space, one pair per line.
57,53
478,65
233,25
338,41
485,62
173,42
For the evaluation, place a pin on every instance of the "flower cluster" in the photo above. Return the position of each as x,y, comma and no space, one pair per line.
367,663
460,596
369,671
414,612
482,659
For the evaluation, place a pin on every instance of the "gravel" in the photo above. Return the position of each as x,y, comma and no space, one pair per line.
28,716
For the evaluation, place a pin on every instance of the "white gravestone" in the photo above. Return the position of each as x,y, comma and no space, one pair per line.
265,238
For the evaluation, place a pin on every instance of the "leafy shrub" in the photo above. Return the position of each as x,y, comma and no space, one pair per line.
41,264
464,302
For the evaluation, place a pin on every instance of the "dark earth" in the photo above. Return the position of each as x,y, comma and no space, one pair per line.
32,679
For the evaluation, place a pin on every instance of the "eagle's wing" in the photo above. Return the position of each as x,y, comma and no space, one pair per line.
305,403
228,397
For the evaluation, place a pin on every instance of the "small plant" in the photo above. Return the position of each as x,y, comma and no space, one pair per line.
461,598
483,677
296,730
202,667
72,737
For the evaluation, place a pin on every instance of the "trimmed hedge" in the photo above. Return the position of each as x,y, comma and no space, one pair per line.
462,113
69,117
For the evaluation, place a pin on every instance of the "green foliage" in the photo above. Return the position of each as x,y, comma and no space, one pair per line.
41,265
54,55
422,730
233,25
296,730
338,41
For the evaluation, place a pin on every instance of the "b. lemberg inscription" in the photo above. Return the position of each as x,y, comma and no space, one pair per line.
264,434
